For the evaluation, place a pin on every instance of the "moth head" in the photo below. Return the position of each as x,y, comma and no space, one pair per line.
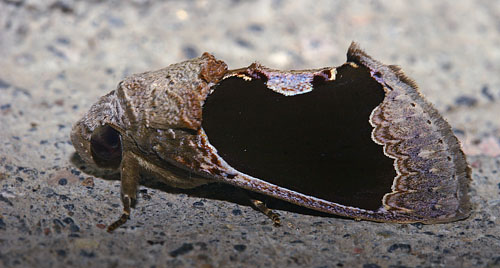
96,137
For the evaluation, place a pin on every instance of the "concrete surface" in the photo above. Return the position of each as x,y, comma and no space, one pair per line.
58,57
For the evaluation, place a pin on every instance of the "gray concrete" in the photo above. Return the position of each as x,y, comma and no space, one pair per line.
58,57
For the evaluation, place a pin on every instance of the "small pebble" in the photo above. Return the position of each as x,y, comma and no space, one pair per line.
240,248
63,181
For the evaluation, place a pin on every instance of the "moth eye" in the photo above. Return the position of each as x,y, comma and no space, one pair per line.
106,147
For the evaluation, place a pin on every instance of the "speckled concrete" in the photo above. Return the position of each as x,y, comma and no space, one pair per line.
58,57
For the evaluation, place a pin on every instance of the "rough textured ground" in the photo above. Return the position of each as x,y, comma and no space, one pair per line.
58,57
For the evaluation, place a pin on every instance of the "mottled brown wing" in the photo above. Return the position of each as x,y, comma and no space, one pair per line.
367,145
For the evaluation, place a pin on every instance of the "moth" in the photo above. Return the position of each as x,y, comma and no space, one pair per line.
358,140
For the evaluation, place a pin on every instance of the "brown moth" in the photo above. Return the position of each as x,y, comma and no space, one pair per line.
357,140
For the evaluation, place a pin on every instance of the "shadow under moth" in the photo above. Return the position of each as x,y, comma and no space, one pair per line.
357,140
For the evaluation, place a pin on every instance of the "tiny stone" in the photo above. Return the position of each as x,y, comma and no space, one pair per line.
486,92
5,106
6,200
255,27
185,248
400,247
87,254
68,220
63,6
58,53
74,228
457,131
466,101
58,222
198,204
240,248
63,40
237,212
4,84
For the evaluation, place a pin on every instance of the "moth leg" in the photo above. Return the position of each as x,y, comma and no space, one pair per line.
267,211
129,170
